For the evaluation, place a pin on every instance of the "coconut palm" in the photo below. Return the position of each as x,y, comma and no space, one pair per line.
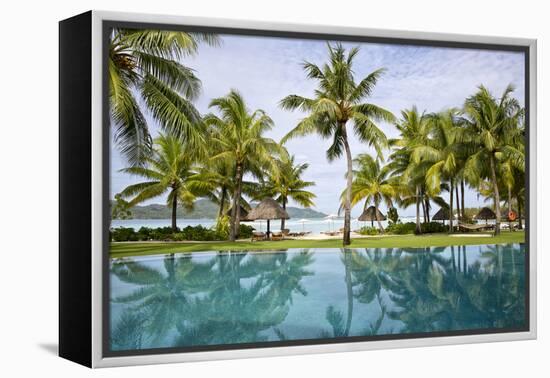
169,169
338,102
287,183
238,136
145,65
413,128
493,125
372,184
442,152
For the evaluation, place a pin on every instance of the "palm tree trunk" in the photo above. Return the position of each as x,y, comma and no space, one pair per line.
423,207
418,229
509,208
376,215
347,202
496,194
174,211
222,201
462,199
458,202
283,219
427,210
451,206
234,226
520,224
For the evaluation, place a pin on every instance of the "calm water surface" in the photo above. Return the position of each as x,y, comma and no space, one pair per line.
213,298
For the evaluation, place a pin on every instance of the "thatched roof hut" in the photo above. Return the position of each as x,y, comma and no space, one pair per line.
441,215
485,214
268,209
368,215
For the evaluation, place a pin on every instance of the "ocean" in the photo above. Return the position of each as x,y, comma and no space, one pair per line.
315,225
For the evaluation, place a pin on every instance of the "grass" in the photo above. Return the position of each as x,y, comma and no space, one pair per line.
395,241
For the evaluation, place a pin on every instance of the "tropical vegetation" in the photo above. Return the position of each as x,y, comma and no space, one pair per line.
229,158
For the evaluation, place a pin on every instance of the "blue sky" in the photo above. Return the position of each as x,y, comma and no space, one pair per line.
265,70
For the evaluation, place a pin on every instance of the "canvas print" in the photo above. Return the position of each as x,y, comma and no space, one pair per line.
271,189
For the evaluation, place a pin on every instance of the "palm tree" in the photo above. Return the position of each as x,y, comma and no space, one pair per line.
338,101
144,64
287,183
413,129
238,137
442,152
493,125
169,169
372,184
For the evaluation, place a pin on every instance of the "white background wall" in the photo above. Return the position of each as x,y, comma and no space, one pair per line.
28,185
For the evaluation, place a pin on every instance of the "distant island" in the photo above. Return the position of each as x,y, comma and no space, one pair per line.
205,209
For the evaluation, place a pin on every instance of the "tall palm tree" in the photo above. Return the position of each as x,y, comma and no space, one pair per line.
169,169
442,153
145,64
413,128
338,102
493,124
287,183
238,136
371,183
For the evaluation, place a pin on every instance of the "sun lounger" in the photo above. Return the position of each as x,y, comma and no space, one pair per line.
256,236
475,227
277,236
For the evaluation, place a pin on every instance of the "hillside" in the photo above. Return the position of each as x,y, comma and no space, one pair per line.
205,209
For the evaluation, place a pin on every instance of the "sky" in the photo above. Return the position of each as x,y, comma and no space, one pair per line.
264,70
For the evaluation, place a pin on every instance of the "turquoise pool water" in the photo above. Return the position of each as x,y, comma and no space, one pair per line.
213,298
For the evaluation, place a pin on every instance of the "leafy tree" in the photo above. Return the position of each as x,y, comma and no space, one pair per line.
238,136
145,74
339,102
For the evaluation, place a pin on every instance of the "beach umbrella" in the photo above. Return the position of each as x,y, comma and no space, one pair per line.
441,215
368,215
303,221
486,213
330,219
267,210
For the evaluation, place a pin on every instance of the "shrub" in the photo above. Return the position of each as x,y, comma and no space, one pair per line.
245,231
433,227
369,231
401,228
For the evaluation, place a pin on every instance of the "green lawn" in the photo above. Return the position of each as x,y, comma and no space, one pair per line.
396,241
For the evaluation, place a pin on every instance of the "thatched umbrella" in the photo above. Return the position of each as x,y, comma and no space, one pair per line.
368,215
441,215
486,213
268,209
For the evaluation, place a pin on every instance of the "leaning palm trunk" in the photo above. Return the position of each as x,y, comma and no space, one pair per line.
418,229
451,206
509,208
378,219
234,227
496,194
427,210
283,219
347,204
222,202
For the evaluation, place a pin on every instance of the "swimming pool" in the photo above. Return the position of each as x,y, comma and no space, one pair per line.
227,298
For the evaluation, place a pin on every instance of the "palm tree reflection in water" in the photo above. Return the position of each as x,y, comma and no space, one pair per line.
239,297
